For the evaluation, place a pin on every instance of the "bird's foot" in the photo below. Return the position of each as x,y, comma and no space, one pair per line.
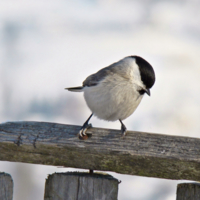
82,133
123,129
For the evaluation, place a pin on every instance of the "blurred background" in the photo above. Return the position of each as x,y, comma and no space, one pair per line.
46,46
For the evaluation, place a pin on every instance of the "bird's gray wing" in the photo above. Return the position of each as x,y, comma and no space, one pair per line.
94,79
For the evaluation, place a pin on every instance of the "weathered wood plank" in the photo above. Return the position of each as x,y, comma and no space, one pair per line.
6,187
80,186
144,154
188,191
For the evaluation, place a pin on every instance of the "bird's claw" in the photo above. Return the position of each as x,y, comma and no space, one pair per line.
82,133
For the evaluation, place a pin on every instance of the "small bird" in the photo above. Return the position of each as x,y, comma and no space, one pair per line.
114,92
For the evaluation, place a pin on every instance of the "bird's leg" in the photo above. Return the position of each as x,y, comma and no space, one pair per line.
123,128
82,133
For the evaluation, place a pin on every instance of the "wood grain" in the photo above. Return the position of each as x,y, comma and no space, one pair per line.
80,186
143,154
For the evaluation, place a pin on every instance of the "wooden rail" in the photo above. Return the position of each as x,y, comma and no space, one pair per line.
143,154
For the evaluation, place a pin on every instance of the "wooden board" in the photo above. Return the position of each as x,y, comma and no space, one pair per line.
143,154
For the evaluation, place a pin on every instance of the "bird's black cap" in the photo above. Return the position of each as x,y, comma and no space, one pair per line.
146,71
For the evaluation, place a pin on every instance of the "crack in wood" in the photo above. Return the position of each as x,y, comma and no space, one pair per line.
18,142
34,141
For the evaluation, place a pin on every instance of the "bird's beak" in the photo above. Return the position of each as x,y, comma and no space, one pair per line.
148,92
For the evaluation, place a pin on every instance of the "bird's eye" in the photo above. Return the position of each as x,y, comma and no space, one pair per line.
141,91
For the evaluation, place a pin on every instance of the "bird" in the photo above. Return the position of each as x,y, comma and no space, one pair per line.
114,92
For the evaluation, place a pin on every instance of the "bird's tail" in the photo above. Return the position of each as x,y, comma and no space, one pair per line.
75,89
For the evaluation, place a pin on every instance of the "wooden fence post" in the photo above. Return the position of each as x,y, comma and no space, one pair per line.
188,191
81,186
6,187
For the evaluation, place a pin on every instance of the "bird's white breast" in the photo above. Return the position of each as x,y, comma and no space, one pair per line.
113,98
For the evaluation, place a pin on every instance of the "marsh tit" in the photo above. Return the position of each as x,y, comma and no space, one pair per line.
114,92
